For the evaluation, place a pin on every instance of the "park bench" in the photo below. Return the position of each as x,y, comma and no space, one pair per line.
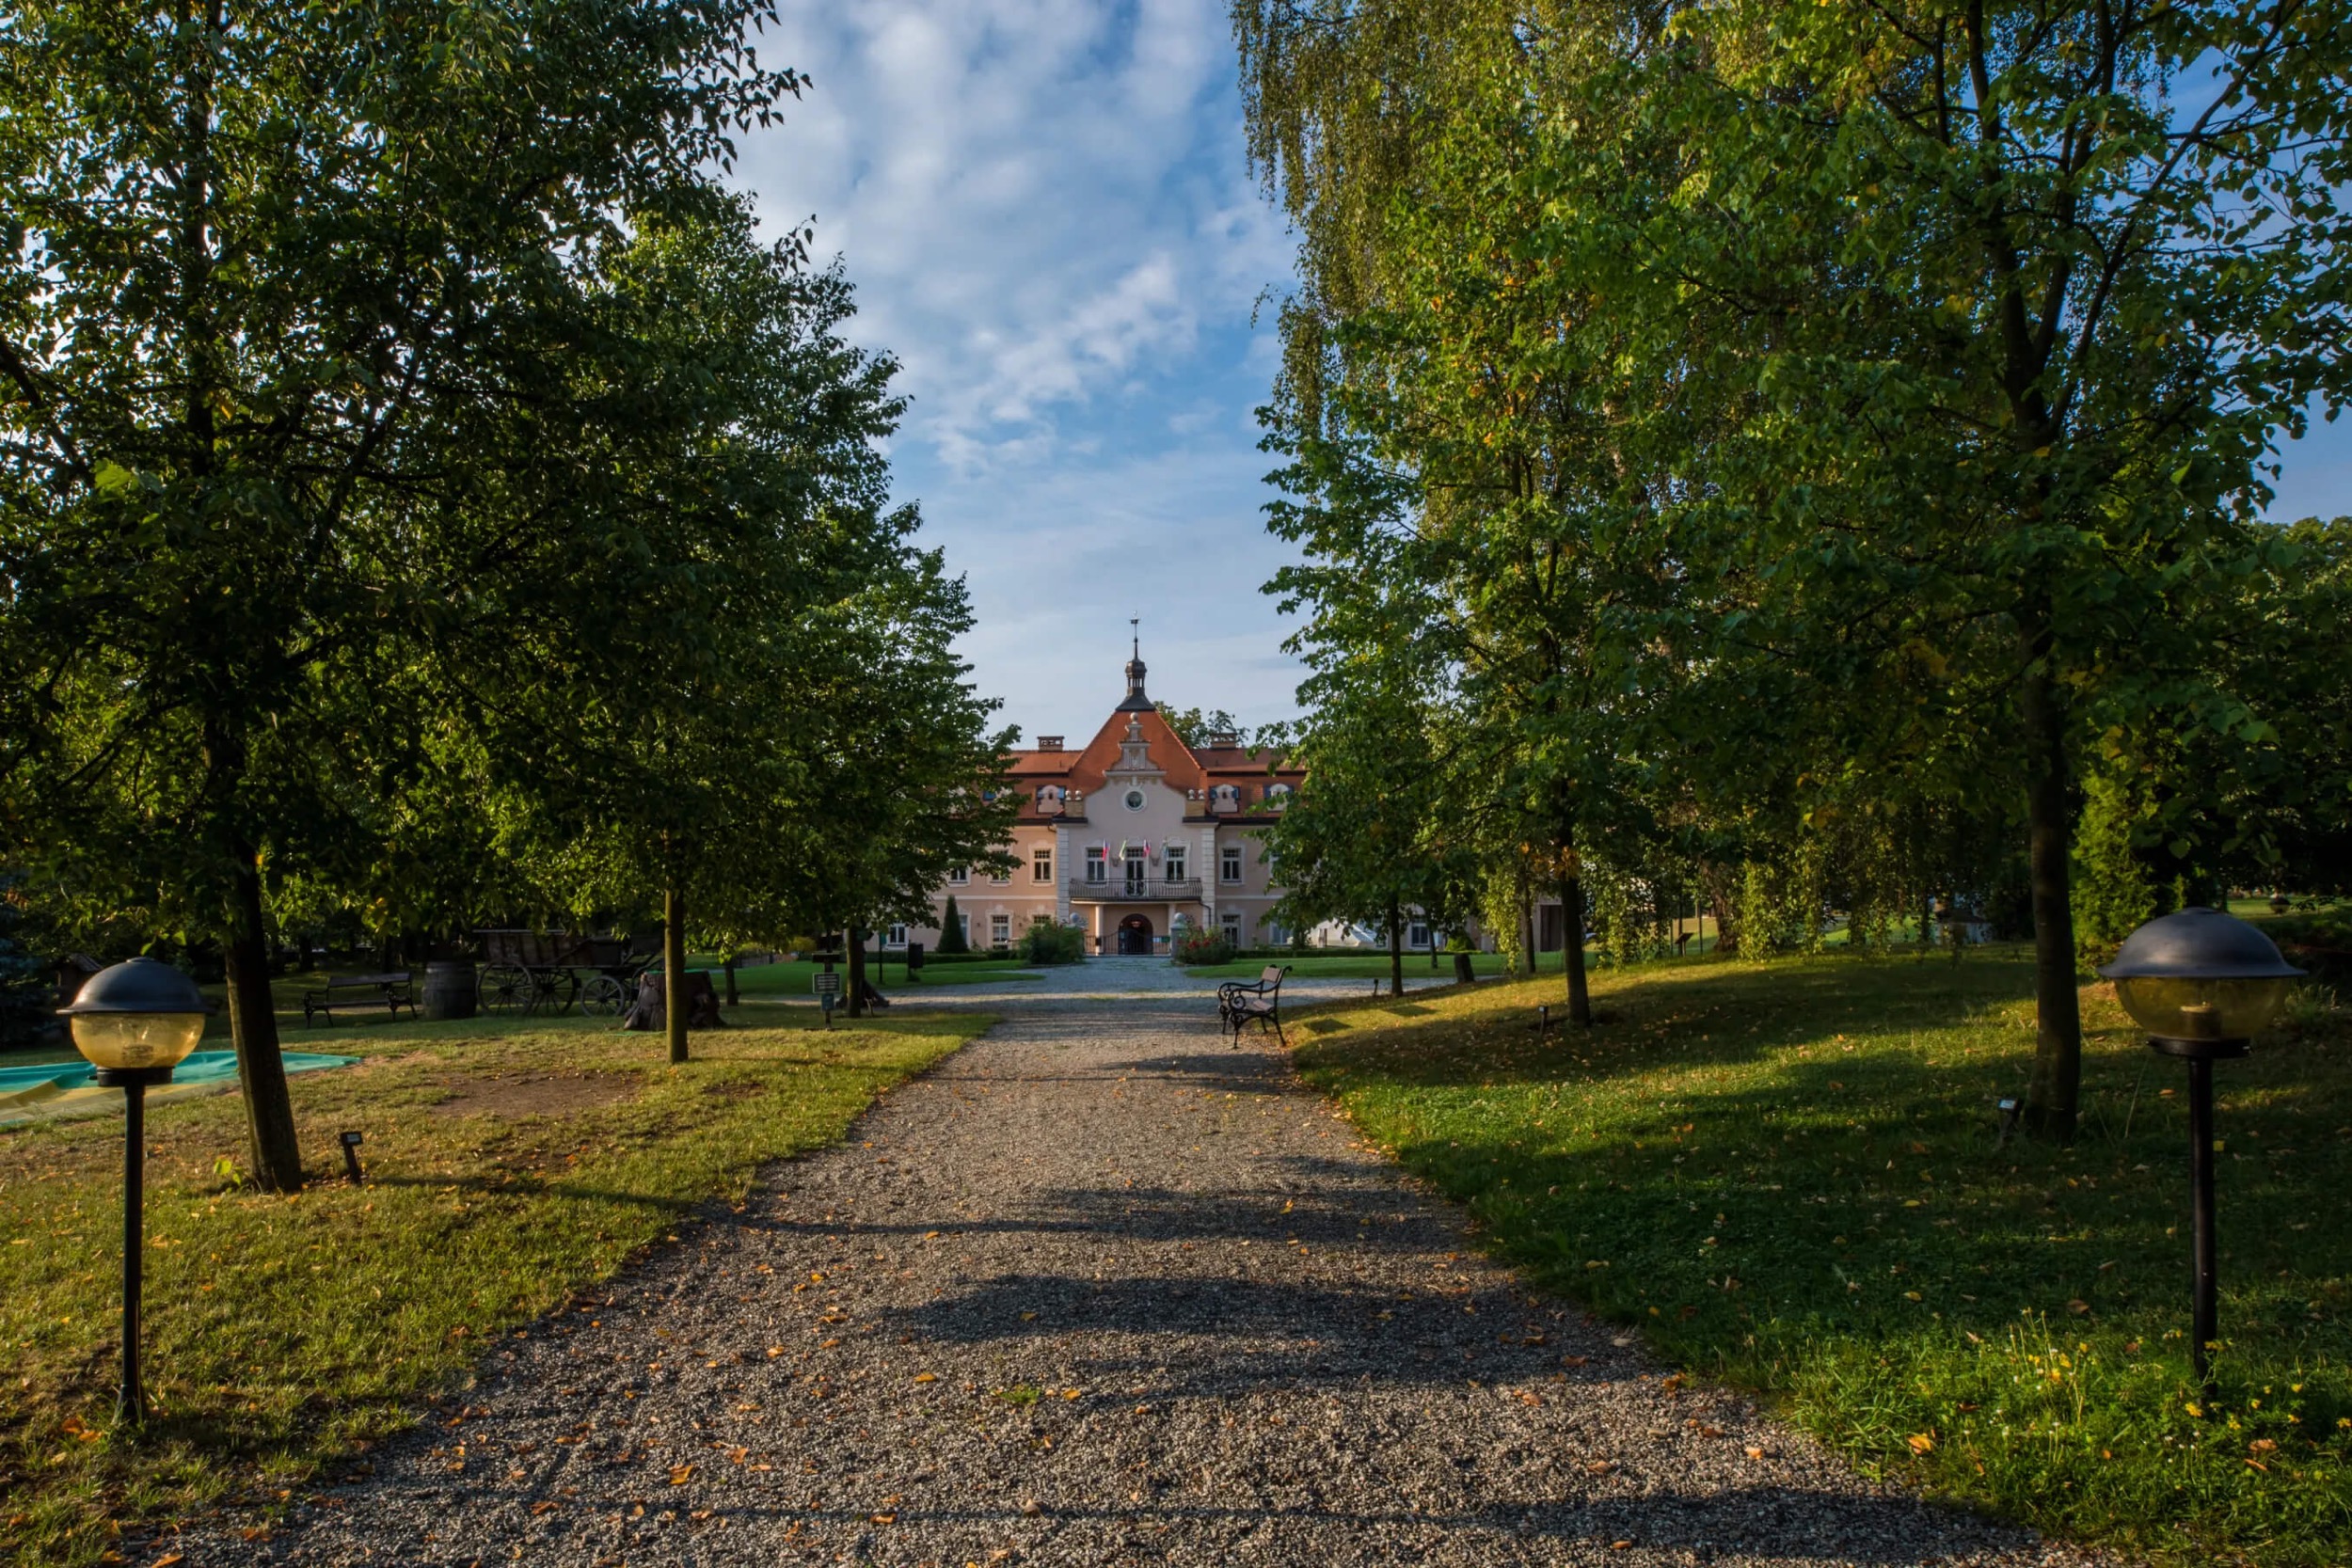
1241,1002
390,992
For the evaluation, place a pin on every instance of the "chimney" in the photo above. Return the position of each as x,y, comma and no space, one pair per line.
1049,743
1224,741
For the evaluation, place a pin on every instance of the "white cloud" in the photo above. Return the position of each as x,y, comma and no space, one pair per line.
1045,211
1038,200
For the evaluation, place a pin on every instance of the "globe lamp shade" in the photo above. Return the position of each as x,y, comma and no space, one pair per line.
137,1014
2200,975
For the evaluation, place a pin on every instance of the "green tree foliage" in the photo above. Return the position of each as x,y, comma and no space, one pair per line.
1859,411
276,277
1365,840
762,723
1194,727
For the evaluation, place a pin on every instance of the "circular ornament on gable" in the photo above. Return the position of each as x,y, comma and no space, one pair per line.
1134,799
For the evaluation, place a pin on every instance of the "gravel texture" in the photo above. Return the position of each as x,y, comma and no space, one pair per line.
1098,1290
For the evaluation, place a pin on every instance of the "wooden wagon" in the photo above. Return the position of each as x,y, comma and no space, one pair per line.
550,972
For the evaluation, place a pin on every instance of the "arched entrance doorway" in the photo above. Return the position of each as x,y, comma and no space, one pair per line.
1134,934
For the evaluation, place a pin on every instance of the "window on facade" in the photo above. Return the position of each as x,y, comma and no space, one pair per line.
963,923
1175,862
1095,864
1000,877
1229,866
895,936
960,875
1417,934
1041,867
999,929
1233,928
1137,871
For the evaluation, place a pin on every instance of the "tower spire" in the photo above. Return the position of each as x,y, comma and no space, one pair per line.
1136,701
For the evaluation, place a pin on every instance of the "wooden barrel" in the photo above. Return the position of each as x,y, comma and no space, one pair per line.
449,990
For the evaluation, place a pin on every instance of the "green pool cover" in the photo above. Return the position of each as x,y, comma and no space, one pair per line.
66,1089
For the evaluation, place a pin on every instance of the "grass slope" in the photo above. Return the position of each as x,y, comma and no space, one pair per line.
504,1172
1787,1175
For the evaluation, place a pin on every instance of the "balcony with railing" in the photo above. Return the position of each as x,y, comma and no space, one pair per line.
1118,888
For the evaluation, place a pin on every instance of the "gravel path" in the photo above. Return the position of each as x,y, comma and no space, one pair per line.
1098,1290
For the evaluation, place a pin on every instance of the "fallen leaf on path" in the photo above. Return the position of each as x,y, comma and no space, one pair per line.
679,1474
926,1377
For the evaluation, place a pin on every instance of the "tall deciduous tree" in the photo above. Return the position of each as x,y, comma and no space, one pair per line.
270,271
1367,840
1974,323
2028,289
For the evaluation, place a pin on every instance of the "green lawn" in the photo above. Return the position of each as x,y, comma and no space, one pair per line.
1787,1176
508,1168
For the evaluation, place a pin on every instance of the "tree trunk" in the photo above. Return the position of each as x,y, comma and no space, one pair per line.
734,999
1396,950
673,968
270,1144
857,973
1572,954
2052,1094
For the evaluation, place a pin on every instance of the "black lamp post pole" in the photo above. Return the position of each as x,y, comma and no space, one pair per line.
131,1403
2205,1311
2204,1303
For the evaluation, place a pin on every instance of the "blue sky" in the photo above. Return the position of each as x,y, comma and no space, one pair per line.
1045,211
1045,207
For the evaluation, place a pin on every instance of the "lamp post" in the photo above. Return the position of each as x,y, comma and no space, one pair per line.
2202,983
136,1021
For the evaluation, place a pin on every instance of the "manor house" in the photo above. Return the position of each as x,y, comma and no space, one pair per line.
1134,837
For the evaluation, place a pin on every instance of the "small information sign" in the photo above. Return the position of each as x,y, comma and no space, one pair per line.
826,983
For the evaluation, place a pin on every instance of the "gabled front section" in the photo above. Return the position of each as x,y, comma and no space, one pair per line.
1133,837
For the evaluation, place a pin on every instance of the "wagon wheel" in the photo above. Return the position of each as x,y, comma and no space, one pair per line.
603,996
557,988
506,988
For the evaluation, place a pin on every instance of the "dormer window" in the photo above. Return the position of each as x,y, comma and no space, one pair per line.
1277,796
1052,799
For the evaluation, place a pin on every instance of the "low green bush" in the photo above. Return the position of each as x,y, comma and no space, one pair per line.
1047,942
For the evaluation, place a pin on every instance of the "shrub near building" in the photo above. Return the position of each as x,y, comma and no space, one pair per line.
1047,942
